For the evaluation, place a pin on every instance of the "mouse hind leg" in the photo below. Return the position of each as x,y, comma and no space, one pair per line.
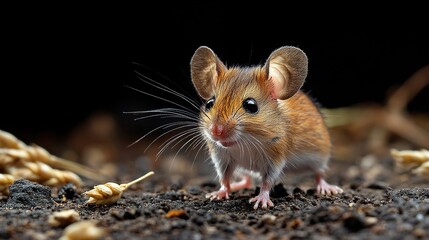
324,187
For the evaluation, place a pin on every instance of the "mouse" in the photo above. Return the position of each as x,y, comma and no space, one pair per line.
258,124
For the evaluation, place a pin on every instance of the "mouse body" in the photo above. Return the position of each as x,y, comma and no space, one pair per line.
257,123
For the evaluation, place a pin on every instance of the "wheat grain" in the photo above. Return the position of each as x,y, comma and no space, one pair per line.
50,176
5,181
7,140
83,230
110,192
63,218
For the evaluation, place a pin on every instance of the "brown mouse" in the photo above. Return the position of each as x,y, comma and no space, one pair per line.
258,123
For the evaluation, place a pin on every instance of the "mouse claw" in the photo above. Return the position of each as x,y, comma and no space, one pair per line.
325,188
263,198
218,195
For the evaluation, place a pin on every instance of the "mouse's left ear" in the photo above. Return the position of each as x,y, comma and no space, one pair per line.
206,68
287,69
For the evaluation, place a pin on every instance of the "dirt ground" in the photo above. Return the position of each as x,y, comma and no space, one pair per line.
379,201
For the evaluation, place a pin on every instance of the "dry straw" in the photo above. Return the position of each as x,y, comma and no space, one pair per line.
110,192
36,164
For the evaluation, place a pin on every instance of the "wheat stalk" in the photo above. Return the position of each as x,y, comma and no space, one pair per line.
110,192
12,149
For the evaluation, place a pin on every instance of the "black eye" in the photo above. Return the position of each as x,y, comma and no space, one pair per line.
250,105
210,103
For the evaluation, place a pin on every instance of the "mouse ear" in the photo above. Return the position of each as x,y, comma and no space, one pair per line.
205,69
287,69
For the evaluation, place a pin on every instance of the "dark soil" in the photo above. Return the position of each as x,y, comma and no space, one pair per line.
375,210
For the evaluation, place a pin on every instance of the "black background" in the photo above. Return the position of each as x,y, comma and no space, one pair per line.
62,65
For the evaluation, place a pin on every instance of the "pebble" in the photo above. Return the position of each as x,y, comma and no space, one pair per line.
194,190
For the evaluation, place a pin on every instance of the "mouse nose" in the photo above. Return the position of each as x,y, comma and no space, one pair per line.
217,130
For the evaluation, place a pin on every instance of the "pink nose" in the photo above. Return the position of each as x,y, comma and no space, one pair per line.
217,130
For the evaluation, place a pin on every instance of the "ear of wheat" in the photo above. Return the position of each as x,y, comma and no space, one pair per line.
110,192
34,163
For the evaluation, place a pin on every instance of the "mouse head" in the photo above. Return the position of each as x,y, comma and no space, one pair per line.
244,100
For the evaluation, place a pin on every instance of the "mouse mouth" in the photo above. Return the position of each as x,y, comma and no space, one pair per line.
226,143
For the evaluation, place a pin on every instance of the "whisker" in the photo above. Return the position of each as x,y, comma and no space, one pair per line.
202,143
167,132
166,115
171,140
164,88
154,96
186,143
235,113
151,131
185,112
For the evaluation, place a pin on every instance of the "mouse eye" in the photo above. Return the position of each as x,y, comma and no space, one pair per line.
209,103
250,105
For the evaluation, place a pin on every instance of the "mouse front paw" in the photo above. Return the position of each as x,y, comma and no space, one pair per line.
218,195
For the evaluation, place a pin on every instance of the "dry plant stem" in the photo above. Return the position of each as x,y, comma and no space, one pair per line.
110,192
126,185
403,95
12,148
389,118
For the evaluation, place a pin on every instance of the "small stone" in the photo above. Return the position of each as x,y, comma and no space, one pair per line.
194,190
